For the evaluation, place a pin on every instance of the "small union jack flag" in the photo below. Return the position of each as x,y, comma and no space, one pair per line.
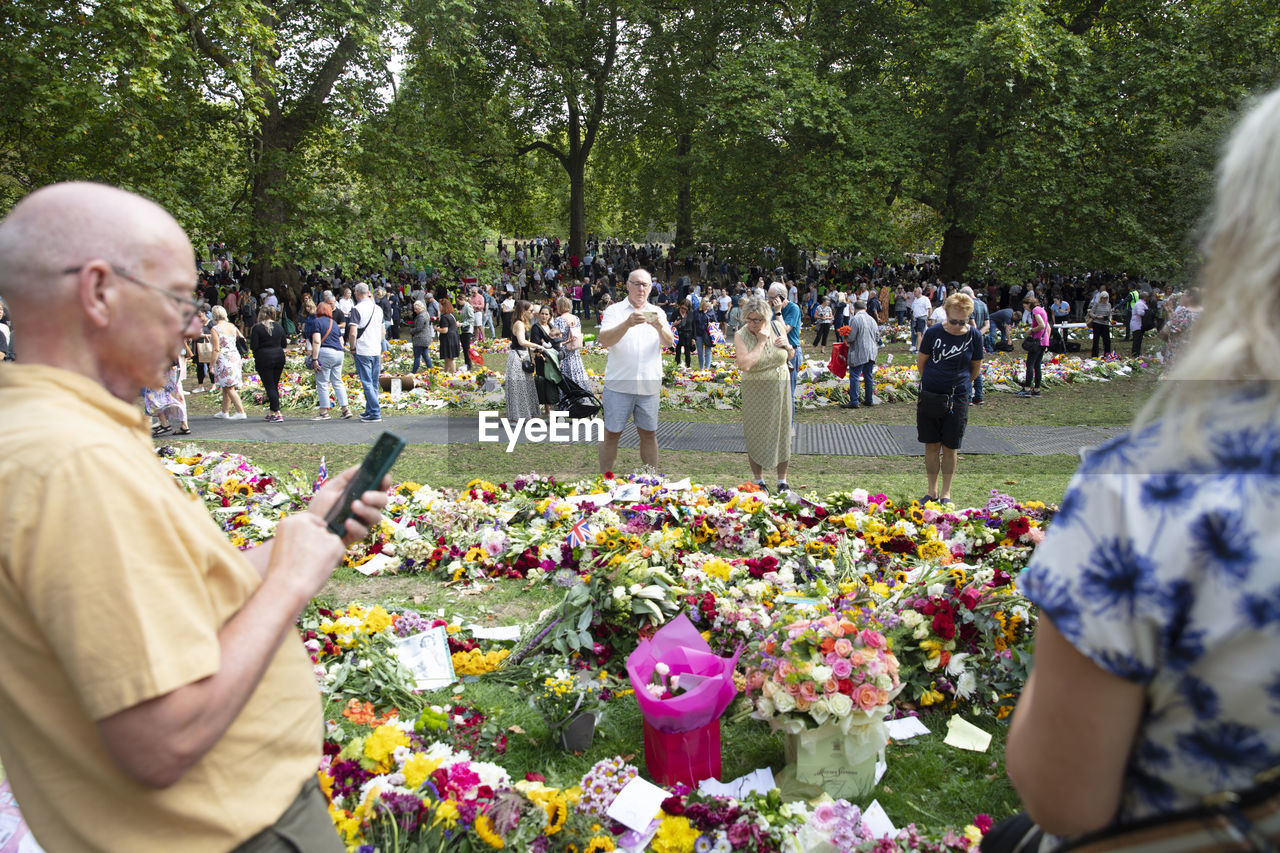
322,477
579,533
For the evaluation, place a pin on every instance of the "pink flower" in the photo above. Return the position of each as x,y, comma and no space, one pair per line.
844,648
866,697
809,690
785,668
873,639
842,668
825,815
831,687
831,658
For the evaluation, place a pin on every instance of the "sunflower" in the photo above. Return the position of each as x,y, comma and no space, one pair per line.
599,844
484,828
557,814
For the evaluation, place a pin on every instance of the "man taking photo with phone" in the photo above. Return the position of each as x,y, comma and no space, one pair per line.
635,333
148,663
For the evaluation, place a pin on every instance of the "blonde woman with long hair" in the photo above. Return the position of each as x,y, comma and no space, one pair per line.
1157,668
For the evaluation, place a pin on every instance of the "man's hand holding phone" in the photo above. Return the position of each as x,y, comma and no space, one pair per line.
366,511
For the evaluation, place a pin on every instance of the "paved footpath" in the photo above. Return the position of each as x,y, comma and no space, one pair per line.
815,439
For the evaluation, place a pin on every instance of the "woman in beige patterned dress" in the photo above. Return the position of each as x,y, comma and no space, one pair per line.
762,353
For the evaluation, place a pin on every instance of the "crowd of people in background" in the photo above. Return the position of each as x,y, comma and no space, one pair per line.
845,301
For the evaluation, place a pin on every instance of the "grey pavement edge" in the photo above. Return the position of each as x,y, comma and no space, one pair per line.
810,439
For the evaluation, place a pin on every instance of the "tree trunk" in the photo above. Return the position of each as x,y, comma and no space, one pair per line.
684,193
957,252
577,168
268,212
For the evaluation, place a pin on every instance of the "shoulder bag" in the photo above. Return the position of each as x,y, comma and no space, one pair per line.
935,404
204,352
1229,821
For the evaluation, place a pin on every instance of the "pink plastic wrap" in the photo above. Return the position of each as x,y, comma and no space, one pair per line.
679,645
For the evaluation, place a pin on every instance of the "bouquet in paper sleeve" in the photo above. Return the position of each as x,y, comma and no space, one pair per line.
682,688
817,671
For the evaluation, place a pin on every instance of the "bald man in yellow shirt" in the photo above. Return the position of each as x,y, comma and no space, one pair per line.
154,692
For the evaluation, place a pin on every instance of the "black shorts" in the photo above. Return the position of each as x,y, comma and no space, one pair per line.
919,324
947,430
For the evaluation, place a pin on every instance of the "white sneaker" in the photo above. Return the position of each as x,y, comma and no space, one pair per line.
220,414
238,416
197,390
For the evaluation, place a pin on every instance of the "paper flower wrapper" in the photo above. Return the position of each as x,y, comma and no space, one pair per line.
828,760
679,645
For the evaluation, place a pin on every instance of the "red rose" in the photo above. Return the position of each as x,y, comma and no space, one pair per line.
943,625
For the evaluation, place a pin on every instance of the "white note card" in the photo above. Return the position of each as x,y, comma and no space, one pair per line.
503,633
877,821
757,782
906,728
637,804
377,564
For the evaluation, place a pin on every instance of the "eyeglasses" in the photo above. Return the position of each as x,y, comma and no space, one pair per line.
187,306
755,319
952,321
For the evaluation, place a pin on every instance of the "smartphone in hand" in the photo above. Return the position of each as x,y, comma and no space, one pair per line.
377,462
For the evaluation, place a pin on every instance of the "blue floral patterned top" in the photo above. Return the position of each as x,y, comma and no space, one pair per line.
1163,570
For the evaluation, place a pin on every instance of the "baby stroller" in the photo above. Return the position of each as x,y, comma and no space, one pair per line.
576,400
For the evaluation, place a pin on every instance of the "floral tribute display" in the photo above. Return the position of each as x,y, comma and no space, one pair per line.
814,671
837,601
396,785
686,389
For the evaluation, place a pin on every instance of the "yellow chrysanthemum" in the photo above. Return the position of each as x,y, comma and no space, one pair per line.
376,620
446,812
675,835
933,550
718,568
382,743
417,769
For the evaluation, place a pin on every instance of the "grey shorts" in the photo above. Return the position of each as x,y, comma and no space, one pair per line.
620,407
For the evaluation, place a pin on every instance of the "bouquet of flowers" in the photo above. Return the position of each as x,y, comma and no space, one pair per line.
561,694
812,671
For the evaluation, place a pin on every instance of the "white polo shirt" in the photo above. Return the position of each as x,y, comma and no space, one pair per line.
920,307
635,362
